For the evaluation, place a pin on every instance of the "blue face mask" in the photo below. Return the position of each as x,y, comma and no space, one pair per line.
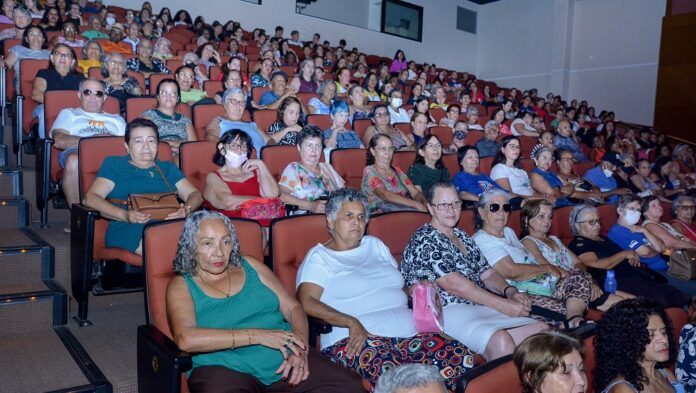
460,134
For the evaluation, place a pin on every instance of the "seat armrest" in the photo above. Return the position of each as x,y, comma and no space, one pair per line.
81,250
160,362
480,370
317,327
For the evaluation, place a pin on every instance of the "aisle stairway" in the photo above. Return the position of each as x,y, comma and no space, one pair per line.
41,348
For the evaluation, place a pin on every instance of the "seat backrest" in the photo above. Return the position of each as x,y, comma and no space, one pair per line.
395,229
582,167
560,227
305,97
155,79
278,157
514,222
472,137
350,164
159,249
450,161
264,118
445,134
361,126
92,152
527,143
257,92
202,114
321,121
135,106
196,161
493,377
607,217
212,86
403,159
485,165
437,113
291,238
467,221
527,164
28,70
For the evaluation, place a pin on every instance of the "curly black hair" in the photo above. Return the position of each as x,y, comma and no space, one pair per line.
622,335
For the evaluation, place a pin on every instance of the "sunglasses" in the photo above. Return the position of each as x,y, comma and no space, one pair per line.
494,207
88,92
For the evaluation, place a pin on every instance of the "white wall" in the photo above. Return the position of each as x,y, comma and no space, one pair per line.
442,42
354,12
604,51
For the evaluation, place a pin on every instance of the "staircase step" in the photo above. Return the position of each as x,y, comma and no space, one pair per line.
25,256
11,179
14,212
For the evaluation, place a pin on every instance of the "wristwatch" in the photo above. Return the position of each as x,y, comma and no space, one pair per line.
187,208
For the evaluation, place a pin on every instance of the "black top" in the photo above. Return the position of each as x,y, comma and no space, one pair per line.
604,249
54,81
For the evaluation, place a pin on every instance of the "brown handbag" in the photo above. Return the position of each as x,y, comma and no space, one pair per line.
158,204
682,264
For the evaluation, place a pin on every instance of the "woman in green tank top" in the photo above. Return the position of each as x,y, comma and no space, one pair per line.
236,317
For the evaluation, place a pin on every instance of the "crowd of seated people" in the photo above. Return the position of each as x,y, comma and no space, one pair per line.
387,108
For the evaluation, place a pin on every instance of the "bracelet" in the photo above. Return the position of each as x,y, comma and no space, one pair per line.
505,290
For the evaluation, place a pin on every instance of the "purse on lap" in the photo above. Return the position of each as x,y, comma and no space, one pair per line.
682,264
262,209
427,309
157,204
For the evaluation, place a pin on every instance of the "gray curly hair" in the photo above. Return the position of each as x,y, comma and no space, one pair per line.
185,259
339,197
409,376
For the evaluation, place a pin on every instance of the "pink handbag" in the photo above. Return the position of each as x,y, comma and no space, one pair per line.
427,309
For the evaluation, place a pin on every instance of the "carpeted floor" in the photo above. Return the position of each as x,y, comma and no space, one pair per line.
38,361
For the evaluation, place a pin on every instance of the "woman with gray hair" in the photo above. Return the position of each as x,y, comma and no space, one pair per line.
683,209
480,309
118,83
545,182
246,331
599,254
411,378
549,287
322,105
353,283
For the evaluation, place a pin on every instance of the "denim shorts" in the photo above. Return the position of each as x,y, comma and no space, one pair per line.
64,155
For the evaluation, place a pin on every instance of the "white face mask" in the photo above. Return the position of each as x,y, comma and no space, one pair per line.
607,172
632,217
110,21
234,159
396,102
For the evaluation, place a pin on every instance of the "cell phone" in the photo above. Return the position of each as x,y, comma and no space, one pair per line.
323,198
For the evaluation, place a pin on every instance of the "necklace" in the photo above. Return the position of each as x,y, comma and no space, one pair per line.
229,283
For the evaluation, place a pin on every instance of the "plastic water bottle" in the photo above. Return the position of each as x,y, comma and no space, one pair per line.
610,282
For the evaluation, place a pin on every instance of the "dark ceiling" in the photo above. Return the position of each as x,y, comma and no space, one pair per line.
483,2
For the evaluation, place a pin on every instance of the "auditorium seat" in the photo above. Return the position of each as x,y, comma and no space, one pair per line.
403,159
155,79
607,217
322,121
396,228
25,105
445,134
450,161
264,118
361,126
560,227
349,164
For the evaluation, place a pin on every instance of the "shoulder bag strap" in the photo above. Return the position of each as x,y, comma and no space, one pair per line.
164,178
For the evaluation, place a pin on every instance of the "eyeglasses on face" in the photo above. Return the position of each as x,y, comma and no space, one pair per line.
386,149
494,207
591,222
381,114
443,206
686,207
168,93
88,92
62,55
237,146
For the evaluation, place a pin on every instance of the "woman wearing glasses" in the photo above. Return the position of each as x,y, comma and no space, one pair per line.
173,127
683,209
387,187
599,254
480,309
428,167
555,290
381,125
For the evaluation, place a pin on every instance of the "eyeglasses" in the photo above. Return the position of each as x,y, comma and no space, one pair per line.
88,92
687,207
433,145
238,146
63,55
494,207
566,159
591,222
168,93
385,149
443,206
236,102
381,114
186,76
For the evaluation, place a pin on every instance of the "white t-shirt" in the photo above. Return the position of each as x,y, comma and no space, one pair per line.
398,117
518,178
365,283
83,124
495,248
520,121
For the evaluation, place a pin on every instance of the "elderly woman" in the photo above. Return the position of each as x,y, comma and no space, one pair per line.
582,189
387,187
239,178
373,326
60,75
551,362
69,36
634,349
284,131
630,236
307,183
551,288
137,172
382,126
338,136
92,56
509,175
162,50
145,63
428,168
234,102
230,78
34,46
231,310
172,127
322,104
651,206
548,249
522,125
479,307
683,209
470,182
545,182
599,254
117,81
